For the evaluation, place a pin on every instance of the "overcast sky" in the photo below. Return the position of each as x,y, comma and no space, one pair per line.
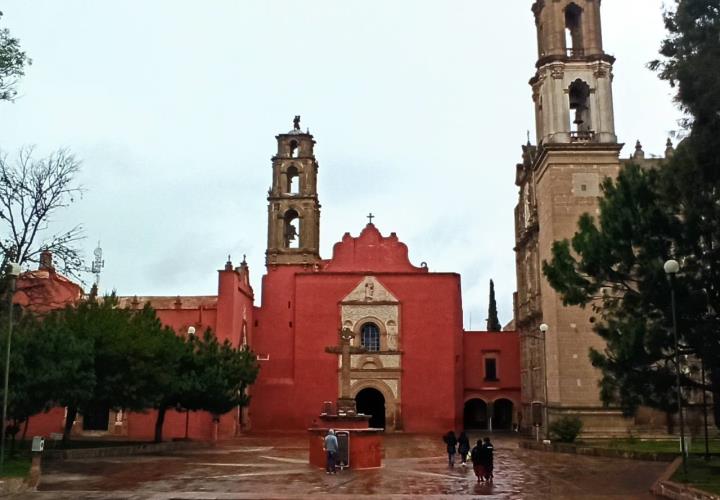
418,107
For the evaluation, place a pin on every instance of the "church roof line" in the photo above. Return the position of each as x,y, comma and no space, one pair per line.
371,252
170,302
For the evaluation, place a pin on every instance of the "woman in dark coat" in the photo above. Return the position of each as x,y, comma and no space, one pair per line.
487,452
451,442
463,447
476,456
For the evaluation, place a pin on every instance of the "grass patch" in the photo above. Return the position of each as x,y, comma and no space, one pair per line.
84,444
697,446
80,444
703,475
17,466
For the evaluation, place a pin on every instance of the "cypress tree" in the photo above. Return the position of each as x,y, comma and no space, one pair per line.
493,323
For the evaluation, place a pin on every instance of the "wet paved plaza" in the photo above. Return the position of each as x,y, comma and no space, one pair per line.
276,467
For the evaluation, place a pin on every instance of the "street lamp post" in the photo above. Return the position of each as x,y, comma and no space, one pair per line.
705,413
12,271
543,330
190,333
671,268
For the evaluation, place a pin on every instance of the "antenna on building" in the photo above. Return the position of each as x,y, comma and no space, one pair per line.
97,264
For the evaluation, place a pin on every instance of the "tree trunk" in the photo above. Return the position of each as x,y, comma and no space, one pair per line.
71,414
25,428
159,424
669,422
15,429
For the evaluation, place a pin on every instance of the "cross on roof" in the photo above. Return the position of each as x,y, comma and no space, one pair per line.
370,217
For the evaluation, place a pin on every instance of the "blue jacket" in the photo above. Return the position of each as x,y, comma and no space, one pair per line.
331,443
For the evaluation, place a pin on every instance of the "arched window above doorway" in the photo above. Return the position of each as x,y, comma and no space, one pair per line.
370,337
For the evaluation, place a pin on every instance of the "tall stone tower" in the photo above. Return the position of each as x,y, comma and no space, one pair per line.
559,179
293,206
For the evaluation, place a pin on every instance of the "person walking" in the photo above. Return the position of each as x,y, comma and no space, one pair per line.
476,459
451,443
331,449
463,448
487,454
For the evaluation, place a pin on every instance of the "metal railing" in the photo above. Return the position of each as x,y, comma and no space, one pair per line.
582,136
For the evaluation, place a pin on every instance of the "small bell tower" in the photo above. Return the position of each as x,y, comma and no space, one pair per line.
293,206
572,88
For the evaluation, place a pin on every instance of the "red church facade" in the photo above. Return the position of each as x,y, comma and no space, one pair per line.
414,368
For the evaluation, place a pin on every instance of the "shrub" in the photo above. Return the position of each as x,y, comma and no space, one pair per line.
566,429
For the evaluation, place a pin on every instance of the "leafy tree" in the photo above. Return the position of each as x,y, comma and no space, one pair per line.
493,323
221,375
614,265
566,429
47,360
689,62
12,64
177,389
32,191
208,375
127,361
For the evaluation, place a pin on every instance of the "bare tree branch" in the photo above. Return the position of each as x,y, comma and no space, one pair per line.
32,191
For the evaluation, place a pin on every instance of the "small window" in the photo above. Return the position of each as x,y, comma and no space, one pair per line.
370,337
490,369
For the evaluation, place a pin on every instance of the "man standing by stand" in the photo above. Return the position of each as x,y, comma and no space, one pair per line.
331,449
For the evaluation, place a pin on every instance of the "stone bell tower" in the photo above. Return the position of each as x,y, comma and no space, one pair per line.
559,180
572,88
293,206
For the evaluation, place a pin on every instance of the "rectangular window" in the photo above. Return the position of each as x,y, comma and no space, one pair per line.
490,369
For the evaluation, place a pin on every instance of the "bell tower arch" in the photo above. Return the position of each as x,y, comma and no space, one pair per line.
572,88
293,206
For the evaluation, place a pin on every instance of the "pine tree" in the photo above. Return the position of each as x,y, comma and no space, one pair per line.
493,323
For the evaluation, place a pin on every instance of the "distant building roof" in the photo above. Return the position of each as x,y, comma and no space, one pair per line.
170,302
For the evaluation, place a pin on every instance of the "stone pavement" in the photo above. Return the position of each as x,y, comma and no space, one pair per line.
275,467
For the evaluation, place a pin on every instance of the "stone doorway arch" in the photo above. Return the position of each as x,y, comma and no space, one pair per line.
502,414
370,401
475,414
392,405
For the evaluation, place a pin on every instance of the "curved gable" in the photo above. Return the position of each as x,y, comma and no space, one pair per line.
371,252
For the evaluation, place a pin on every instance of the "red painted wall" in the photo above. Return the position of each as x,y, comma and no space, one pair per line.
505,347
300,315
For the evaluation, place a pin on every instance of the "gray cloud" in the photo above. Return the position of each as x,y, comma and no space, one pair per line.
419,108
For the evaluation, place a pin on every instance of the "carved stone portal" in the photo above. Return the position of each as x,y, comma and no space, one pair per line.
371,302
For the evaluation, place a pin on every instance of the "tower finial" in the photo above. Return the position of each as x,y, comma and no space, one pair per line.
639,153
669,149
296,122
